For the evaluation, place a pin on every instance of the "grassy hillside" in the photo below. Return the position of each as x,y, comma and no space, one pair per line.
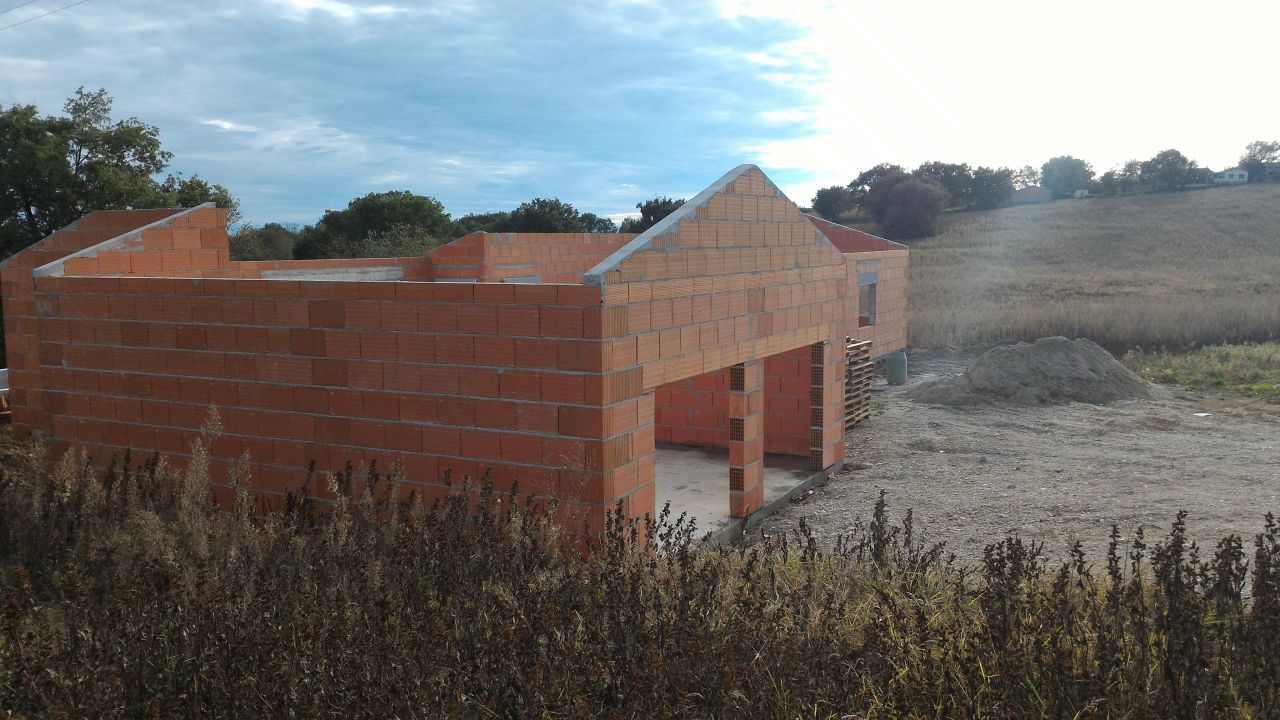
1169,270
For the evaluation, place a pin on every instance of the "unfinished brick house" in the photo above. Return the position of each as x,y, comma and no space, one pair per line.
556,361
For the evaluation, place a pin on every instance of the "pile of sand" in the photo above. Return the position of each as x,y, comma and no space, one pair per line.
1050,371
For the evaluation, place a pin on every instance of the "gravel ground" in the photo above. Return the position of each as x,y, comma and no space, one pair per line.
973,475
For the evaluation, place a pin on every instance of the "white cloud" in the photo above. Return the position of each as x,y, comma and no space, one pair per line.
767,59
229,126
303,9
389,178
1007,82
792,115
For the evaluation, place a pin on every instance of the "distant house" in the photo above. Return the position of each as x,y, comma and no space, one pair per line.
1272,170
1232,177
1030,195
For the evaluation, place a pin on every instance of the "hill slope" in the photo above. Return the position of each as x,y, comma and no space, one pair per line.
1171,269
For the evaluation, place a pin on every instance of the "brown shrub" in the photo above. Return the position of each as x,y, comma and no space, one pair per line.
130,594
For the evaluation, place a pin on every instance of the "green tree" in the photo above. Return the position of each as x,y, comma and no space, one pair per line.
1256,156
377,220
861,185
956,178
399,240
876,200
1025,177
912,208
651,212
55,169
1108,183
905,206
1130,176
1168,170
480,222
542,215
179,191
990,188
834,202
272,241
1062,176
596,224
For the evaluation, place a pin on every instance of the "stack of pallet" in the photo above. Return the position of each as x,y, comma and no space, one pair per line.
857,382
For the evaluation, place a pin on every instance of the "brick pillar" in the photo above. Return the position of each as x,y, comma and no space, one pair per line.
826,404
746,438
22,338
614,432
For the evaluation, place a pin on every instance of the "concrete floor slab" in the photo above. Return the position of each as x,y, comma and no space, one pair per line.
695,480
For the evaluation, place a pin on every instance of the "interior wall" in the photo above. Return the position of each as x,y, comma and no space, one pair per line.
695,411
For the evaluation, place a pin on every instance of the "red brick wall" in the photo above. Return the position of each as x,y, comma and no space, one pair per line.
459,377
18,291
549,385
743,277
695,411
185,244
890,331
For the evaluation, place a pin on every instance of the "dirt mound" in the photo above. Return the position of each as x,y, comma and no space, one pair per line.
1050,371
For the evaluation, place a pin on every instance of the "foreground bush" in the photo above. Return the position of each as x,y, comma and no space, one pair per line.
128,594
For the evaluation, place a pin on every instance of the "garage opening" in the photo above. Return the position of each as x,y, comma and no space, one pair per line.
704,427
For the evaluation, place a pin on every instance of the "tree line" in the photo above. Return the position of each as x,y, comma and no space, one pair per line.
402,224
55,169
906,204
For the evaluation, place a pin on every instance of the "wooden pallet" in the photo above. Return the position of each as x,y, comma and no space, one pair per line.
857,382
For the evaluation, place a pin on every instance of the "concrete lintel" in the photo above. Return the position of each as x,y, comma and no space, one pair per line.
391,272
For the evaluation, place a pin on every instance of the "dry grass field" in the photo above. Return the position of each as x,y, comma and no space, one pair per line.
1175,270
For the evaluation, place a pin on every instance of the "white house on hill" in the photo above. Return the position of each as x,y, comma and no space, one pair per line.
1232,176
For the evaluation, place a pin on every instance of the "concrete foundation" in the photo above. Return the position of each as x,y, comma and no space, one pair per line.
695,480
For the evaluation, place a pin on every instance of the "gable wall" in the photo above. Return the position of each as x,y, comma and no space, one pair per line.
739,275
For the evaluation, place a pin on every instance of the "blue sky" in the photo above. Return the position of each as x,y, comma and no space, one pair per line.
300,105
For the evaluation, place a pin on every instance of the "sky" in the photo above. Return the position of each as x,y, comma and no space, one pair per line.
298,106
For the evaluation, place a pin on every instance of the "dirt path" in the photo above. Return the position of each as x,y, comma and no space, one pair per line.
1054,474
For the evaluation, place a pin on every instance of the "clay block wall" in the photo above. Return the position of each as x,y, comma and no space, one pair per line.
551,257
695,411
889,334
742,277
185,244
458,377
549,385
86,232
18,290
